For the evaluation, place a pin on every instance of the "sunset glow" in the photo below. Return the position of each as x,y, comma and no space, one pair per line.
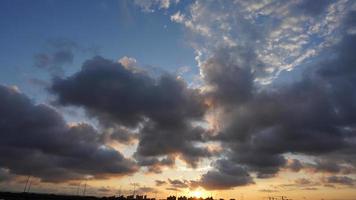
197,193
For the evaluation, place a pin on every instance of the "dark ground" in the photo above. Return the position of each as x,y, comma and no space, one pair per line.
36,196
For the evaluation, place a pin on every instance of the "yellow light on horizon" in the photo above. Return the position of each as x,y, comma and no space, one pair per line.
197,193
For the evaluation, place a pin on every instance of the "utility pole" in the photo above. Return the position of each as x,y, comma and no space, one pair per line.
28,179
85,187
134,189
29,186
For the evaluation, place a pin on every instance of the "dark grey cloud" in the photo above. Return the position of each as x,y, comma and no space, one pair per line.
163,109
342,180
327,166
295,165
125,137
120,134
175,183
36,141
313,115
226,175
128,97
230,78
154,164
155,140
332,164
303,181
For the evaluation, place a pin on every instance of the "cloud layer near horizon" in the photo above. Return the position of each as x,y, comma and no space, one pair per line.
36,141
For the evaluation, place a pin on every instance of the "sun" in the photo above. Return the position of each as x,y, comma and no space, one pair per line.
197,193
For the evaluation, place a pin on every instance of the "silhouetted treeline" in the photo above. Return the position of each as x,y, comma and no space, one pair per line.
37,196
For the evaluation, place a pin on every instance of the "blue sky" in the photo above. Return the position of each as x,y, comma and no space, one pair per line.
110,28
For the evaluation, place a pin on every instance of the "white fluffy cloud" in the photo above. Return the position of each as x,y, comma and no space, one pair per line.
152,5
282,34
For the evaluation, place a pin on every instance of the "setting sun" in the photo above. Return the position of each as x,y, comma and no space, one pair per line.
197,193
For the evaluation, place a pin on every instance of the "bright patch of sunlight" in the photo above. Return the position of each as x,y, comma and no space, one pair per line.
197,193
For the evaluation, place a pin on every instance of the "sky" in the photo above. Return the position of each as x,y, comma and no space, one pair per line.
230,99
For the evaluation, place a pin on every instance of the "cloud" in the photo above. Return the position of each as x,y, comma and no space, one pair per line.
160,182
229,80
294,165
173,189
342,180
283,35
112,132
37,141
313,8
239,46
328,164
145,190
292,118
162,110
128,62
154,164
38,82
302,181
301,184
178,183
268,191
60,53
152,5
227,175
5,175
